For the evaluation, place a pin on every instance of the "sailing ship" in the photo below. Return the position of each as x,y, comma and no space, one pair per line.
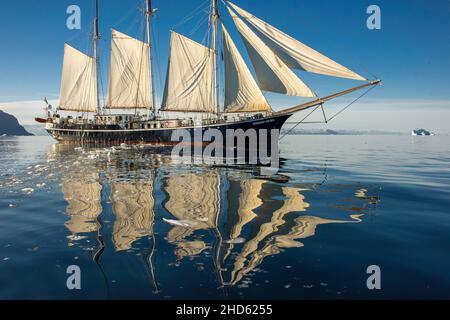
192,94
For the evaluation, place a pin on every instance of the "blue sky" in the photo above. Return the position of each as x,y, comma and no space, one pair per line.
411,52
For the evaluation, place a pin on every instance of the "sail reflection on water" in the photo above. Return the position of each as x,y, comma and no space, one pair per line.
83,196
248,193
132,204
231,218
194,199
250,256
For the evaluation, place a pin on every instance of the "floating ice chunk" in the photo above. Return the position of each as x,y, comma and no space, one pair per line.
361,193
41,185
235,241
75,237
181,223
27,190
269,171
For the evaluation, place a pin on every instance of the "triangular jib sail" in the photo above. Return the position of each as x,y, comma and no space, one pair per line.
129,78
241,90
79,82
294,53
189,83
272,73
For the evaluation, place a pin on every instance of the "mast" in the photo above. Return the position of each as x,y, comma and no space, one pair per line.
96,37
215,17
148,15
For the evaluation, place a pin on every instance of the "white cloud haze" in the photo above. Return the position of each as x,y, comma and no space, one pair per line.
398,115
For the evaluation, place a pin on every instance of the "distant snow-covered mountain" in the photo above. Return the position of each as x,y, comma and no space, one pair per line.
9,126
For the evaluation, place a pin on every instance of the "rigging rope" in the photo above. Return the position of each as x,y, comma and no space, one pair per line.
342,110
192,14
285,134
331,118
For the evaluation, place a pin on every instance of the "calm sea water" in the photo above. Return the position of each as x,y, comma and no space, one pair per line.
141,226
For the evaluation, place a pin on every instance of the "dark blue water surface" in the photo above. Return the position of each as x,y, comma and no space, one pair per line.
142,226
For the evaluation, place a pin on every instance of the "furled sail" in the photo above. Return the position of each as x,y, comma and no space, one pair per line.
189,83
241,90
272,73
130,86
79,82
294,53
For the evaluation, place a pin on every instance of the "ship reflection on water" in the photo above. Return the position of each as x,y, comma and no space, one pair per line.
220,220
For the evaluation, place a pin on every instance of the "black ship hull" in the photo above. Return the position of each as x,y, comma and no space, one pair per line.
114,134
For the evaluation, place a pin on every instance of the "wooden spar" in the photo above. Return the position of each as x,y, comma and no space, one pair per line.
215,17
320,101
96,37
148,16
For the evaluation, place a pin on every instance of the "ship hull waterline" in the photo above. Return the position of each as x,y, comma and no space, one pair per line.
107,135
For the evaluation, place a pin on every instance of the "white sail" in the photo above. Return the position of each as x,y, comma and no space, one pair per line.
294,53
272,73
189,83
79,82
130,86
241,90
